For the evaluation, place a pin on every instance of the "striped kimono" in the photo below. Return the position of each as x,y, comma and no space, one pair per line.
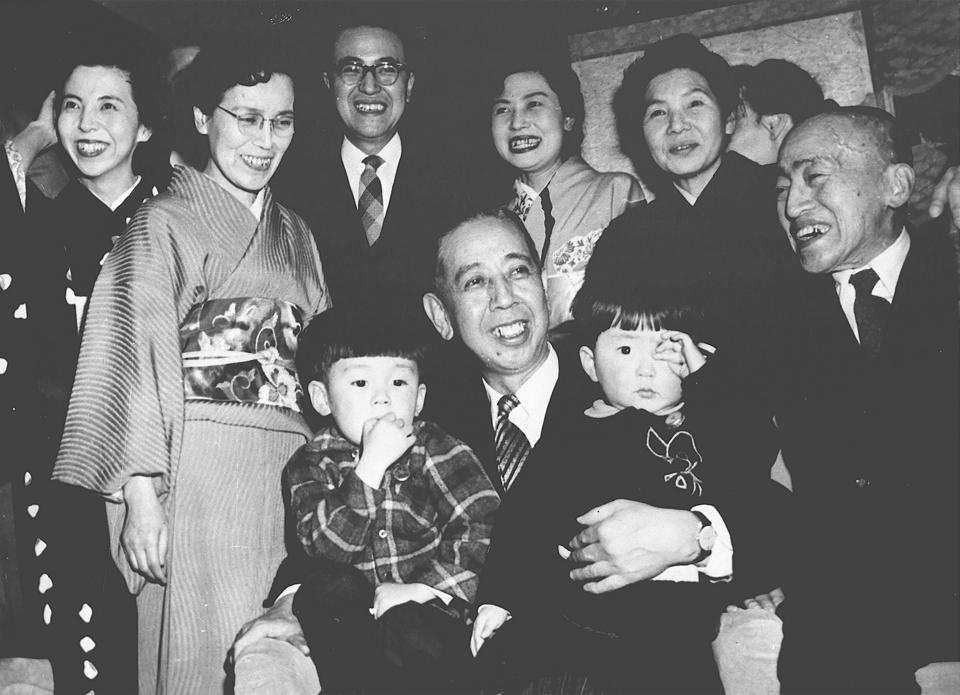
186,375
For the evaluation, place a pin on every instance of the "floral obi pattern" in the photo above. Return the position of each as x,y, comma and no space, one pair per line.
242,350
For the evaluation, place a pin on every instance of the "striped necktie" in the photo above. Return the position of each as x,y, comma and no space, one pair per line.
871,312
512,445
370,202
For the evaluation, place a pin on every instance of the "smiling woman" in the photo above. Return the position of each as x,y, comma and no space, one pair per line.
187,403
105,110
537,128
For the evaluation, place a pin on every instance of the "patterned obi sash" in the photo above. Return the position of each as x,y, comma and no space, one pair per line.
242,350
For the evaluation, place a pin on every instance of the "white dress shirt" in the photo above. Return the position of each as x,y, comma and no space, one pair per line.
887,265
534,396
353,165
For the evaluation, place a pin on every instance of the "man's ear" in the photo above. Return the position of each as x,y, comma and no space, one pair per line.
326,80
731,123
200,120
568,123
778,125
319,397
899,180
410,80
589,365
437,313
144,133
421,396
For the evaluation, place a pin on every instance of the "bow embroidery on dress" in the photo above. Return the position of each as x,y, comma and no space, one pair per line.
681,455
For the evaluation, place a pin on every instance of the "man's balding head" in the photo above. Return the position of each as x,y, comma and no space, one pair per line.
489,293
843,176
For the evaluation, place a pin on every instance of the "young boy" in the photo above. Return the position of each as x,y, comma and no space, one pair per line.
649,441
394,513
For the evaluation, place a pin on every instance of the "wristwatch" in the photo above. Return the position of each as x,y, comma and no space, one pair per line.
706,536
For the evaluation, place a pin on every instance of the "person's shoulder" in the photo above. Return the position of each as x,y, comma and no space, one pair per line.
438,444
327,444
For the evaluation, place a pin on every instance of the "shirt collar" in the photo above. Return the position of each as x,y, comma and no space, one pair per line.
887,264
353,156
256,207
120,198
534,396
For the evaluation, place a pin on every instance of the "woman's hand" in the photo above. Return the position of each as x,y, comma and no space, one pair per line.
144,537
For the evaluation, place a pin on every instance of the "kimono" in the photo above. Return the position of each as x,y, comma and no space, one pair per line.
583,202
69,238
187,375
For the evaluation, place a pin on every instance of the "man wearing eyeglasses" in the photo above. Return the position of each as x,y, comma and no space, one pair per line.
374,199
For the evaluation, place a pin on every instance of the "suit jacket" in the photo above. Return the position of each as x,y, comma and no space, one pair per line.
457,401
425,200
872,448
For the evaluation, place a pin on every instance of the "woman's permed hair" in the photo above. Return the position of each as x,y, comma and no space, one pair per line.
225,64
562,80
683,51
141,65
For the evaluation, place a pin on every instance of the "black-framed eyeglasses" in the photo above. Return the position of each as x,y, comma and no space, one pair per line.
386,72
252,123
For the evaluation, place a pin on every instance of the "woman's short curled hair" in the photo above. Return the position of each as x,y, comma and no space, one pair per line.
562,80
683,51
141,65
223,65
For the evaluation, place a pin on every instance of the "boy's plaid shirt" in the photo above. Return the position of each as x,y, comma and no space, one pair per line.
431,526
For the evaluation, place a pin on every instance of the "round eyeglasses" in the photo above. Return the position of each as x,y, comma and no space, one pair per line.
386,73
252,123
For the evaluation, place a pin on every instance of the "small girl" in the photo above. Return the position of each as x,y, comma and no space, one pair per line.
656,437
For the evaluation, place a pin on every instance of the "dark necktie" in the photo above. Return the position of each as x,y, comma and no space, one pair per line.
512,445
548,223
871,312
370,203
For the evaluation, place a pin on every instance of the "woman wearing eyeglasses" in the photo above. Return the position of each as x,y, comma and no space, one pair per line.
537,127
186,408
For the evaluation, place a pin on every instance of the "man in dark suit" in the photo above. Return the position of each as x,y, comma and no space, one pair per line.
489,296
374,202
869,416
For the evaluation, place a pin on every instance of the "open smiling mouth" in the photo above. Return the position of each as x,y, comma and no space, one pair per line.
258,163
524,143
685,148
511,331
809,232
90,148
368,108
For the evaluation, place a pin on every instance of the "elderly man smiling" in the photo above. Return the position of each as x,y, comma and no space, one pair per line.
869,416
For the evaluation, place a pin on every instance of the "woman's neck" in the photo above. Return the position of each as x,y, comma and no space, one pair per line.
108,187
694,185
538,180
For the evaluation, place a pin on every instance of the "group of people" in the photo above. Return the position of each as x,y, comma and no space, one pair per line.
540,436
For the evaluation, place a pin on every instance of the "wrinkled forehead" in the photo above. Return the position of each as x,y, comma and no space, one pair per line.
481,242
369,44
829,138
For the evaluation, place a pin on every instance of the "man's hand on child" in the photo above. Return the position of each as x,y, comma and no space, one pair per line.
627,541
490,618
767,602
278,622
385,439
390,594
679,350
